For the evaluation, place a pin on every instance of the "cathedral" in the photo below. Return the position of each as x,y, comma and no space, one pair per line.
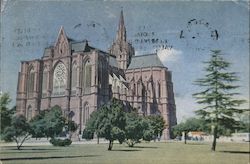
81,78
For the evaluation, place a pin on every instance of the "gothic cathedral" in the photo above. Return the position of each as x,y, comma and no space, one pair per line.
80,78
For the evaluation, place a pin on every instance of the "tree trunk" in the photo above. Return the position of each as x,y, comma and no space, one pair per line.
214,139
17,145
110,145
98,139
130,143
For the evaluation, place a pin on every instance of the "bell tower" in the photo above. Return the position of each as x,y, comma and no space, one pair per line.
120,47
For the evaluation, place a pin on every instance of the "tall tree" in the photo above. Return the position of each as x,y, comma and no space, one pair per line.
48,123
218,94
135,127
18,131
158,124
92,126
110,122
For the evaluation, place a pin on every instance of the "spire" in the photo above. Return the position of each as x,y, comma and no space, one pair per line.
121,23
120,47
121,33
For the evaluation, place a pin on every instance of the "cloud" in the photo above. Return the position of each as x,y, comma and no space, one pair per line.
166,55
185,107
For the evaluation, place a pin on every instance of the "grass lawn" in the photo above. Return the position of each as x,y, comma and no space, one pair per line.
151,153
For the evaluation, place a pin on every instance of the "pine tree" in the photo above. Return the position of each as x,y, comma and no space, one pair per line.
219,104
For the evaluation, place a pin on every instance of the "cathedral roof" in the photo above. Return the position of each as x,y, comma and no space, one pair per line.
80,46
143,61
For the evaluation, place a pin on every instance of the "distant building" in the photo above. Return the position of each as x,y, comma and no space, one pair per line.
80,78
196,135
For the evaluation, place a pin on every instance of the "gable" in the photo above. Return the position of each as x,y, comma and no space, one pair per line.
61,47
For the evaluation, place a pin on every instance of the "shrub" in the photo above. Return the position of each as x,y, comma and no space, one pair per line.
60,142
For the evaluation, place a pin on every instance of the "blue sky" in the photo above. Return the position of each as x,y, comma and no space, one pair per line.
187,31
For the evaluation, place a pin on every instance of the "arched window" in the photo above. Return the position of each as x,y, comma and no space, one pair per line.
30,83
85,113
29,113
159,90
44,82
135,91
74,78
87,77
139,88
59,79
100,76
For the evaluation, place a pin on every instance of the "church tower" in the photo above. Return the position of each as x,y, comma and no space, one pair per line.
120,47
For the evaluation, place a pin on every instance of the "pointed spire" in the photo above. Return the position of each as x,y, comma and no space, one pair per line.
121,23
121,33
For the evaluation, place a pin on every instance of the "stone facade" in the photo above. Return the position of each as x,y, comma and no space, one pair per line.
80,78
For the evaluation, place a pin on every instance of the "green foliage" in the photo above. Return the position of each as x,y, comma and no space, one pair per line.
54,122
48,123
146,128
191,124
60,142
108,122
88,134
244,118
70,127
38,125
217,96
5,113
117,133
18,131
112,123
93,123
157,124
134,129
148,134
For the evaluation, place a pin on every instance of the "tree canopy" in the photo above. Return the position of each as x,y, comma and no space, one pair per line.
18,131
191,124
218,95
49,123
5,113
113,123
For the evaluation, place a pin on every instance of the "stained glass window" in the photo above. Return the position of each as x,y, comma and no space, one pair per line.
44,83
85,113
159,90
87,77
59,79
100,78
74,78
30,83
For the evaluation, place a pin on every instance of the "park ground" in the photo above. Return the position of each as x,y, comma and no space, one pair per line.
143,153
